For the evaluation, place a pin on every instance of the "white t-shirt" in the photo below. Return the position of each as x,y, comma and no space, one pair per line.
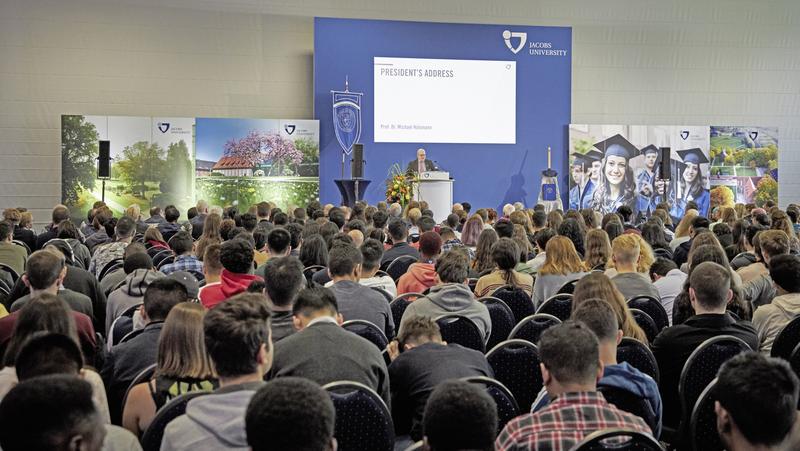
383,282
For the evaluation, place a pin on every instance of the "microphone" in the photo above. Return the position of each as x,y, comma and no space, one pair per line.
435,165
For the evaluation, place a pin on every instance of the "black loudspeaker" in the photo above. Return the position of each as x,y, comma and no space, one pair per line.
357,162
665,163
104,160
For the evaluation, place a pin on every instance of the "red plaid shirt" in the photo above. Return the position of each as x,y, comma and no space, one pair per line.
564,423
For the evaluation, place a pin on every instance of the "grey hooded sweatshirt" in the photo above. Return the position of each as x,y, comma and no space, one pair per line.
212,422
450,299
129,294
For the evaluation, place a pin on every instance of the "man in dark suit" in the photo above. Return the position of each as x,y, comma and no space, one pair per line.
420,164
709,293
199,220
424,363
324,352
128,359
60,214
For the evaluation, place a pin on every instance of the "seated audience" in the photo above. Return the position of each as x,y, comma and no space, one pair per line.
748,256
371,254
459,416
452,296
450,240
210,234
12,255
398,233
356,301
21,232
212,268
562,264
170,226
483,263
540,238
45,274
756,404
598,250
760,290
668,280
104,254
597,286
709,293
236,257
626,254
505,254
285,276
768,244
290,414
182,244
420,362
421,275
770,319
571,367
237,337
140,274
128,359
60,214
69,233
314,251
324,352
600,318
113,279
52,413
680,253
155,216
182,366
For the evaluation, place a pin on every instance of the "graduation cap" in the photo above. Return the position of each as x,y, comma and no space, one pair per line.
649,149
581,159
694,155
617,146
594,154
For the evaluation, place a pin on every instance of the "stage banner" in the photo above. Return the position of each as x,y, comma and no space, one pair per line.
744,165
152,162
347,118
246,161
615,165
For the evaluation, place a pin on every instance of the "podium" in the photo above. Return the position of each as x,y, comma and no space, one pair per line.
435,188
352,190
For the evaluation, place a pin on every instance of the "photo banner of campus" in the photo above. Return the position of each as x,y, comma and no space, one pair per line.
162,161
712,166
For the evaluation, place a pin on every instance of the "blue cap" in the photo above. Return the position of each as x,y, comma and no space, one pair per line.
649,149
617,146
694,155
583,159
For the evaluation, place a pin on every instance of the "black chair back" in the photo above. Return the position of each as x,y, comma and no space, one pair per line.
165,261
22,245
367,330
507,407
517,299
10,271
472,282
794,361
110,267
151,440
532,327
646,323
703,423
386,295
502,320
559,305
652,307
701,368
309,271
143,376
362,419
568,288
161,255
787,340
638,355
516,365
631,403
618,440
399,266
399,304
121,326
461,330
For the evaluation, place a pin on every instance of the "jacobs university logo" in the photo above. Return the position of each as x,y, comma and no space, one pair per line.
509,35
289,128
685,135
163,127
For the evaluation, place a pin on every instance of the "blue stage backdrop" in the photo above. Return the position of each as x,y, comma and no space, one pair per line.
487,175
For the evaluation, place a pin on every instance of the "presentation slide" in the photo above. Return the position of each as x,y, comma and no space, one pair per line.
445,101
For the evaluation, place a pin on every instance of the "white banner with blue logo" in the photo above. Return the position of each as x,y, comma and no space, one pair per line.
347,118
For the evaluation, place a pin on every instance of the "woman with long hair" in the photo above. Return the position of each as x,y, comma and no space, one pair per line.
525,249
314,251
682,231
573,230
182,366
598,250
483,252
653,234
614,229
505,255
781,221
48,313
562,264
691,186
154,239
471,231
554,219
597,285
617,184
589,219
211,234
682,307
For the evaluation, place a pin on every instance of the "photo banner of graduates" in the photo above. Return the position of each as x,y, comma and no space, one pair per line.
615,165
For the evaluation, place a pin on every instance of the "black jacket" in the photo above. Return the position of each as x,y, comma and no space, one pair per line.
397,250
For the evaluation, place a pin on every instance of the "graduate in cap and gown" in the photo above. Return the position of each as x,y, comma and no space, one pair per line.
585,171
645,178
616,186
689,187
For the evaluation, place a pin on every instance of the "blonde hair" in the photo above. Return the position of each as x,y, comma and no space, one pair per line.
598,285
560,257
413,215
25,219
625,249
686,223
181,346
727,215
598,248
134,212
152,233
646,255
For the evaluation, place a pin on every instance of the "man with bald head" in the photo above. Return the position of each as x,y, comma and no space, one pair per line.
421,164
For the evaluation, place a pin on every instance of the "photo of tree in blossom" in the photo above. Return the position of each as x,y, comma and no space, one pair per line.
245,161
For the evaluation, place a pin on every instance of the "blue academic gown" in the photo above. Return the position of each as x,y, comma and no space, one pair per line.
678,209
645,204
579,200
